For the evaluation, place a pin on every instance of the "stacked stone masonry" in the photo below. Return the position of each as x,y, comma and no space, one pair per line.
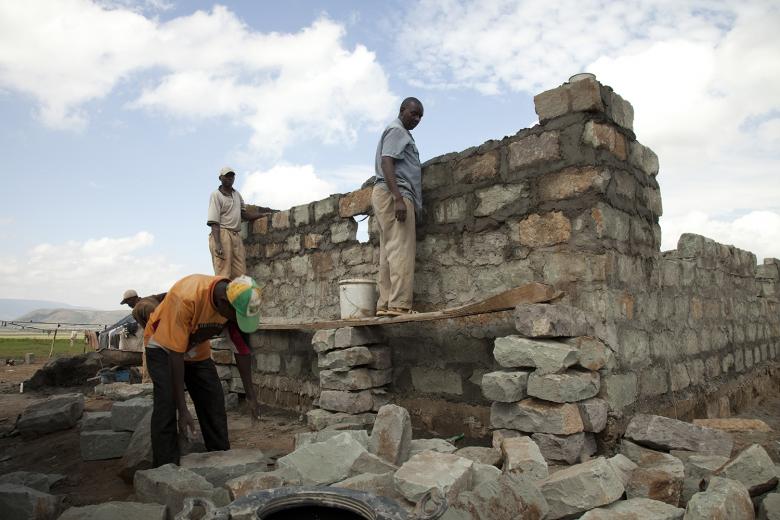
572,202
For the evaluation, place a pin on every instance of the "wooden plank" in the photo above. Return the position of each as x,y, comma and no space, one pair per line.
533,292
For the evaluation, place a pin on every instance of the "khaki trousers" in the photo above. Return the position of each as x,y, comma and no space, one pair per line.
233,260
397,242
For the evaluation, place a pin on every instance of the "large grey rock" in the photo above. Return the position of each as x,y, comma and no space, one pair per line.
655,431
319,419
560,448
115,510
127,415
698,470
437,445
550,320
391,437
347,402
534,415
481,473
381,484
594,354
25,503
594,414
501,434
96,421
508,497
324,340
220,466
635,509
170,485
547,356
344,359
568,387
354,336
260,480
355,379
124,391
369,463
753,468
623,466
769,509
505,387
39,481
523,457
481,455
324,462
659,477
138,454
304,438
582,487
724,499
103,444
425,471
54,414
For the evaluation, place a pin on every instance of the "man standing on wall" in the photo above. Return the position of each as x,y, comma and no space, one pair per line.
397,202
195,309
226,211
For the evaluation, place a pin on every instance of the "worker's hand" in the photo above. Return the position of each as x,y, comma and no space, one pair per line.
218,251
400,209
186,424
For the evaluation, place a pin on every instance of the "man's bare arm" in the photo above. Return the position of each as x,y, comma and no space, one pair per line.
177,374
388,169
255,212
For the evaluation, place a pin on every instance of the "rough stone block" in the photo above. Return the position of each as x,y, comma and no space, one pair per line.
343,231
639,508
138,454
753,468
670,434
550,320
251,482
478,167
220,466
450,210
369,463
356,203
281,219
560,448
723,499
381,357
114,510
547,356
505,387
348,402
304,438
170,485
660,479
572,182
585,95
623,467
501,434
593,353
481,473
643,158
599,135
594,414
377,484
355,379
391,436
611,223
326,208
481,455
345,358
733,424
38,481
356,336
96,421
55,413
543,230
437,445
522,456
698,470
552,103
495,198
434,380
769,509
324,340
324,462
533,415
503,498
300,215
126,415
568,387
428,470
23,503
620,110
104,444
619,390
318,419
580,488
534,149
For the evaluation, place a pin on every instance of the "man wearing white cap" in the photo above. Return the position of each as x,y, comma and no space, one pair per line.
178,352
226,211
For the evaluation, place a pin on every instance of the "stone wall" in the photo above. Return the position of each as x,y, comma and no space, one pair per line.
572,202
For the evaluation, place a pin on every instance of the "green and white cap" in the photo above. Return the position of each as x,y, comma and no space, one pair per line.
245,296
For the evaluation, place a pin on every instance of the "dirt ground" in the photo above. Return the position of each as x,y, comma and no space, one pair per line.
98,481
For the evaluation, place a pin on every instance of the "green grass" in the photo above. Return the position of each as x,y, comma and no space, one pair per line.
17,347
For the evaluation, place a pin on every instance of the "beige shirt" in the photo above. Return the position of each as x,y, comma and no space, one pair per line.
225,210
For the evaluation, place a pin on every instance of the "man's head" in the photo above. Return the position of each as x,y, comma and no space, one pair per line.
227,177
239,301
130,298
411,112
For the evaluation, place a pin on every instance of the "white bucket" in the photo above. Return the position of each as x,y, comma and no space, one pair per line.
357,297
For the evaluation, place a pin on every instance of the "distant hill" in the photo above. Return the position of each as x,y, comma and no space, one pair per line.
73,315
12,308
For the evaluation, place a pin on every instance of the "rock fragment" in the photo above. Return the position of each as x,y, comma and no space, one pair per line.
56,413
428,470
581,487
391,437
655,431
523,457
724,499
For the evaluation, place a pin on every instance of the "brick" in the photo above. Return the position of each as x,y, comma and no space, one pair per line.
534,149
356,336
572,182
585,95
348,402
355,379
497,197
547,356
604,136
356,203
281,220
522,456
260,226
300,215
325,208
505,387
568,387
534,415
545,320
477,168
544,230
343,231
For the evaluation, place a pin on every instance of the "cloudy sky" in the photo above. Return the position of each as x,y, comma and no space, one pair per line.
116,115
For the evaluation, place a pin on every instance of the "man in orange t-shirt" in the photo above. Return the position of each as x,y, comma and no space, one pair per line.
178,352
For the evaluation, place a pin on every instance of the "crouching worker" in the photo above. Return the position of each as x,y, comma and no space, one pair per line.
178,352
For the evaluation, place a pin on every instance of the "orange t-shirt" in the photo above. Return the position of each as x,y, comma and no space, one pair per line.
186,318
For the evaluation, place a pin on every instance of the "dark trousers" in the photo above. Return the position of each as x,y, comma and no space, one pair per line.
202,382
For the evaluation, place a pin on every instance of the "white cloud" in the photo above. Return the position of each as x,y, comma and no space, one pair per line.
703,77
284,87
92,273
